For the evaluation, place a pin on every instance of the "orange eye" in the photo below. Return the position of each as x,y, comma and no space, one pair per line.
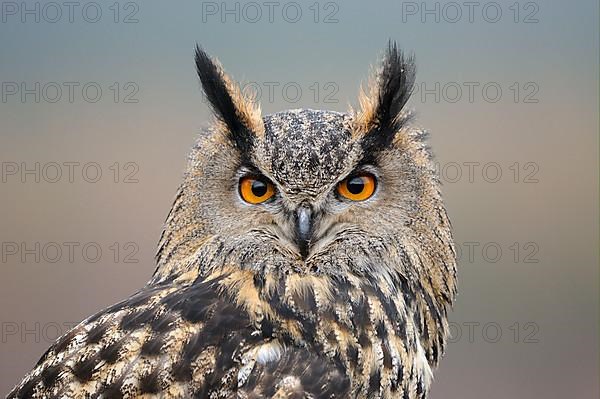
256,190
357,187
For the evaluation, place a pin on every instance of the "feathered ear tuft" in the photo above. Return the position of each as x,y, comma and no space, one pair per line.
379,117
239,116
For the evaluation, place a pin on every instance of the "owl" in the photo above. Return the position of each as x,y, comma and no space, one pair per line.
307,254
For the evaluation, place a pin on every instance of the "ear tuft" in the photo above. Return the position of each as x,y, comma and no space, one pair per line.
380,115
238,115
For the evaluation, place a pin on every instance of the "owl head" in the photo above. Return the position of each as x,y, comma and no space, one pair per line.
312,192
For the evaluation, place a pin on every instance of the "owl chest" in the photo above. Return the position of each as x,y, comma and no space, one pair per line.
381,356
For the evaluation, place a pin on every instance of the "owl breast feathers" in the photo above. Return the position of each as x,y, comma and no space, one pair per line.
307,254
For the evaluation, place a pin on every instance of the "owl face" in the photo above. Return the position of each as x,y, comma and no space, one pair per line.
306,190
307,184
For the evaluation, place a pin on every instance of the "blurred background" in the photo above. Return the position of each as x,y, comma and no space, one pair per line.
100,105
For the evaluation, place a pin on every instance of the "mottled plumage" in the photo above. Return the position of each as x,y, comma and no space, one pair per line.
305,295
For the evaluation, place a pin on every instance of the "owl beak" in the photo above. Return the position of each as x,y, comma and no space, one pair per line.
304,227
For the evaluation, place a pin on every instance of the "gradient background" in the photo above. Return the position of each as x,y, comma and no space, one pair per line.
555,216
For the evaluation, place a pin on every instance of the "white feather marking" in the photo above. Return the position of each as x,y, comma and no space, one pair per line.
268,353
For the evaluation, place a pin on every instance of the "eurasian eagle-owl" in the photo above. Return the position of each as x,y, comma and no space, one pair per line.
307,254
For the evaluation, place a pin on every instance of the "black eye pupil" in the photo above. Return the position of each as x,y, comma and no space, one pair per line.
259,188
356,185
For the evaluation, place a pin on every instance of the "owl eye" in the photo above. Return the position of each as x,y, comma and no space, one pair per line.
256,190
357,187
